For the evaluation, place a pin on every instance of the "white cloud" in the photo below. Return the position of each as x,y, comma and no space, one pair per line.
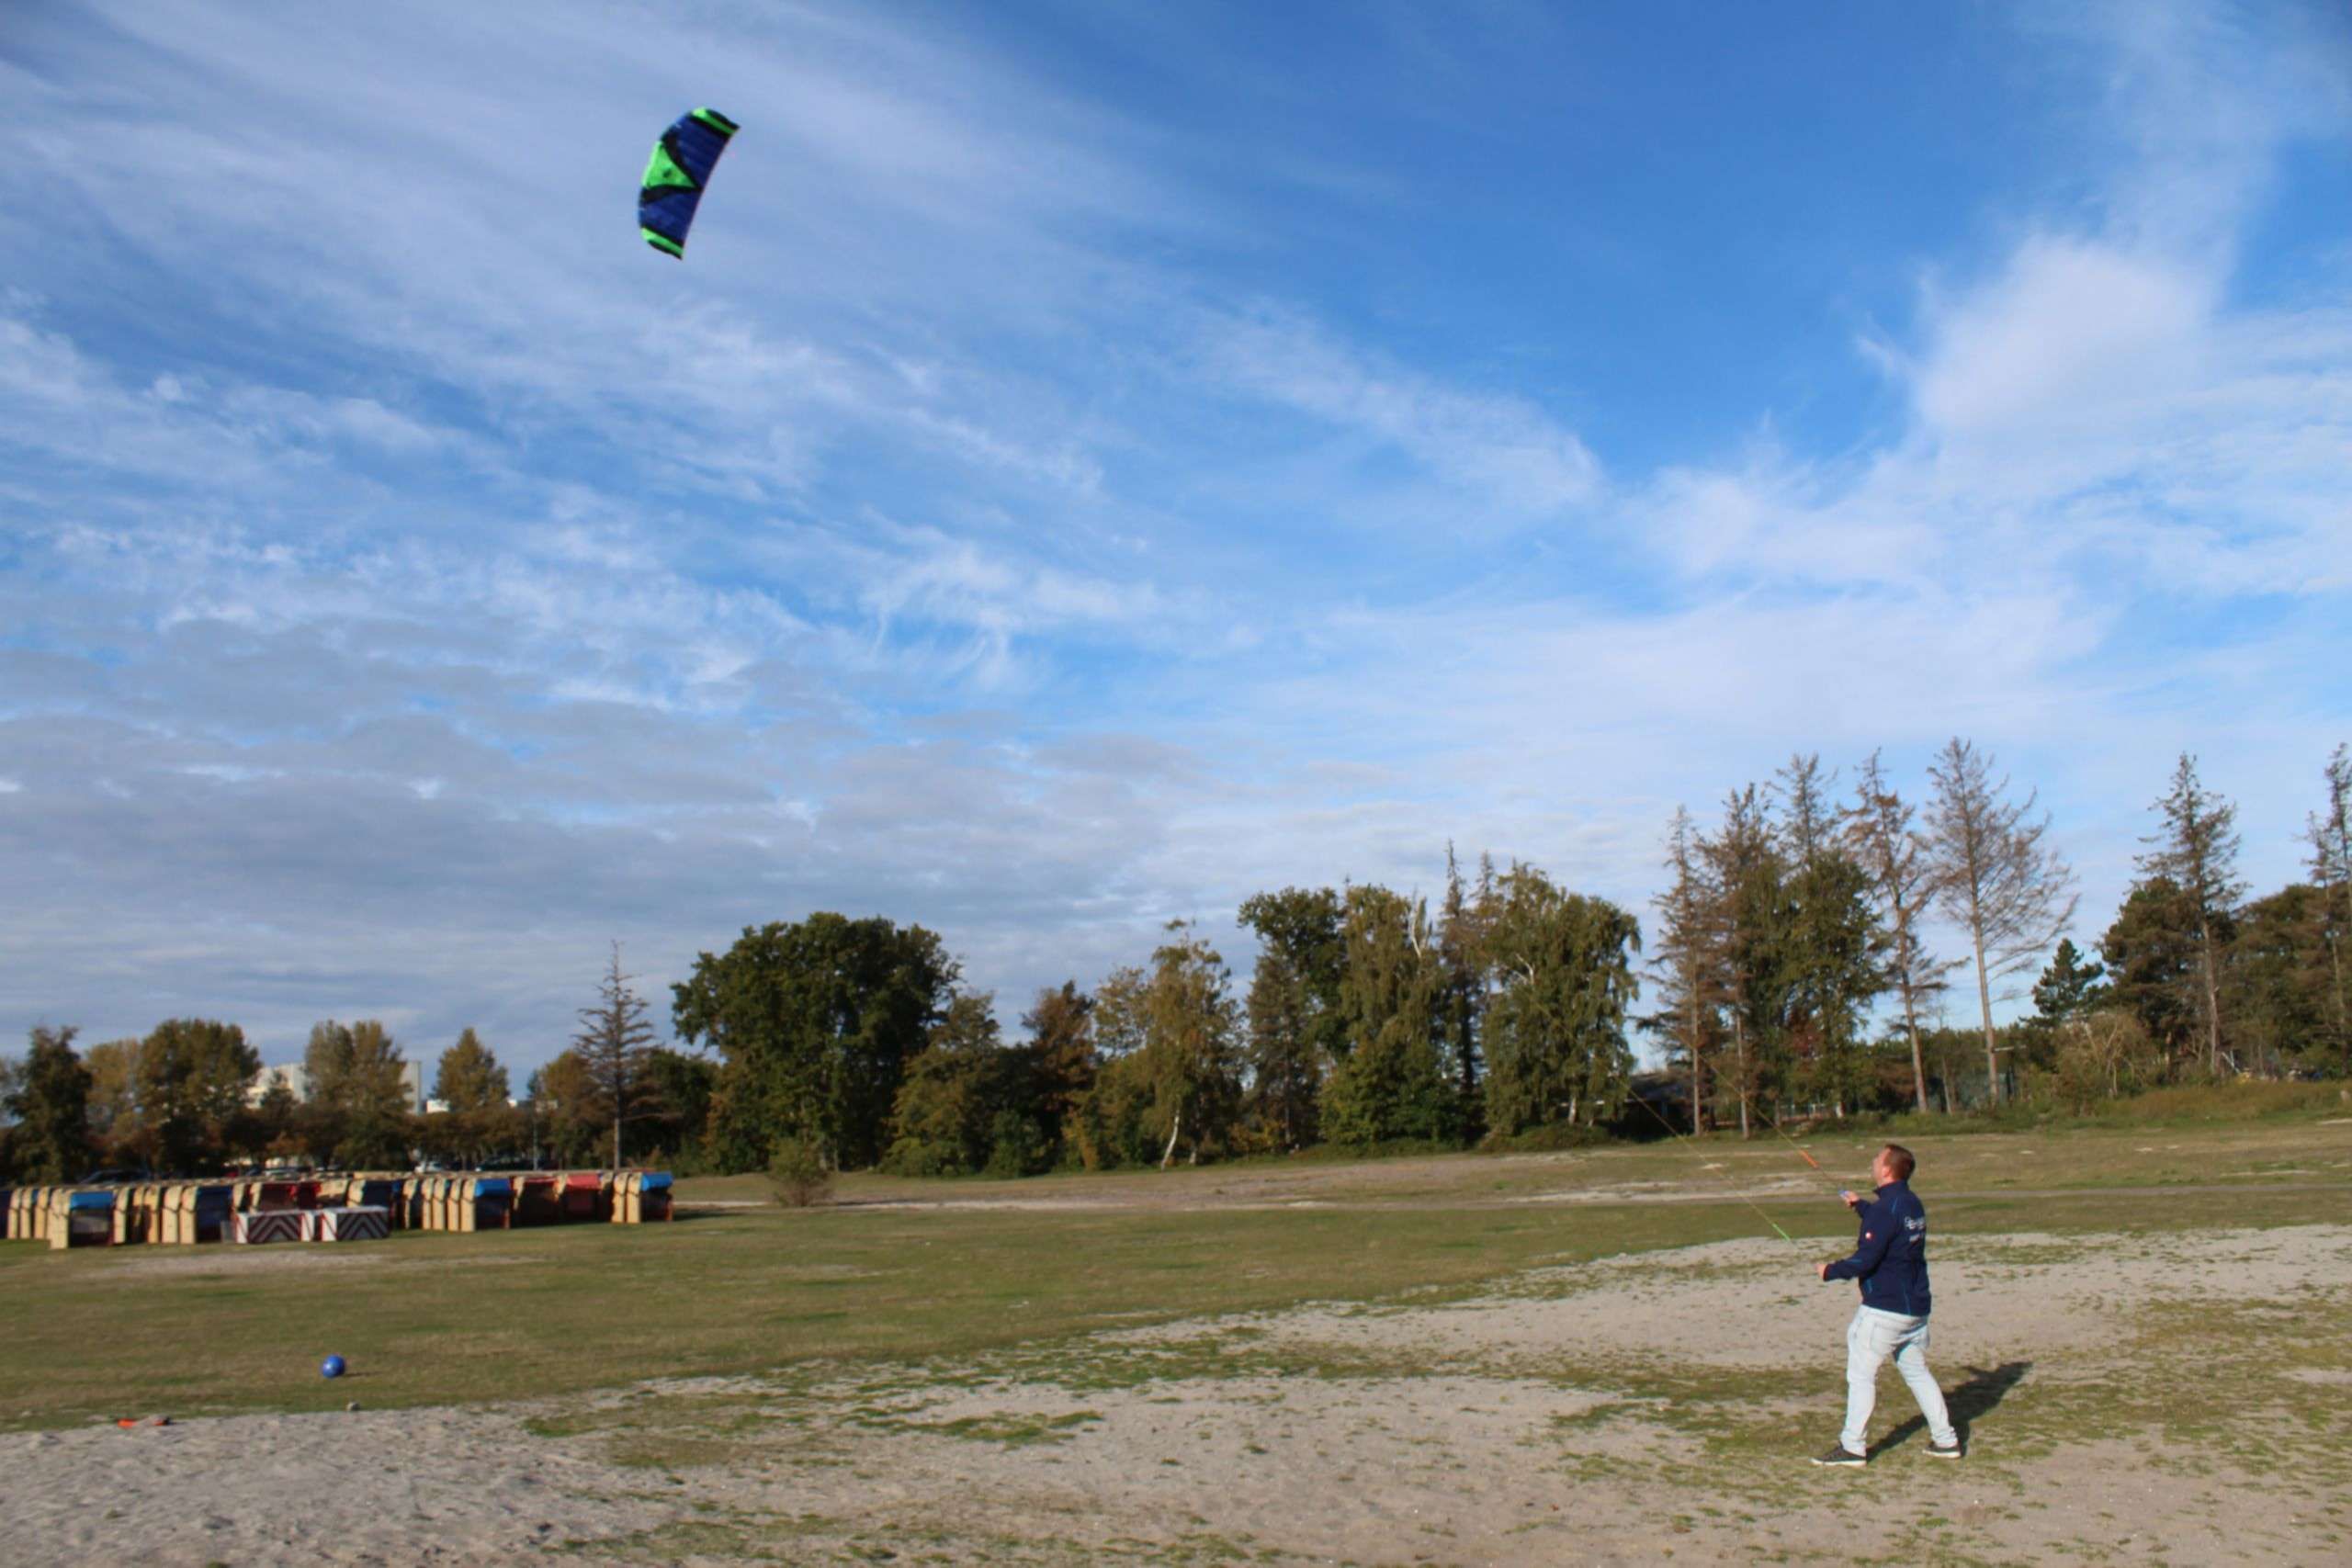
2070,327
1502,450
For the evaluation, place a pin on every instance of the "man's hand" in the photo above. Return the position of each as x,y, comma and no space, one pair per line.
1822,1270
1850,1200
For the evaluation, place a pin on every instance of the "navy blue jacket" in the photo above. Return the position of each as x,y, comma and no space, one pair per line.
1891,1258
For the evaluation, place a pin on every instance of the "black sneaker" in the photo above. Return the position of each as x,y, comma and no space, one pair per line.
1841,1454
1939,1450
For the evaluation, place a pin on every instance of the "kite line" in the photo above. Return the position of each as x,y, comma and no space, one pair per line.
1802,1153
1735,1192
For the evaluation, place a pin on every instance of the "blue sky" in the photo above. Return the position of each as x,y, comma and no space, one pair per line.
1100,461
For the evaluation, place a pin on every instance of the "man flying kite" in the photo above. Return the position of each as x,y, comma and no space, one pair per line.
1891,1261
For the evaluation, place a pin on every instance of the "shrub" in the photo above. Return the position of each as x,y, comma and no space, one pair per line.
920,1156
1546,1139
799,1172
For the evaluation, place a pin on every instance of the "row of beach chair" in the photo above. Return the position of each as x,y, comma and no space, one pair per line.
187,1212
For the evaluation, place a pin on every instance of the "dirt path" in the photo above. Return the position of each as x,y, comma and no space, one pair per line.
1775,1190
1642,1408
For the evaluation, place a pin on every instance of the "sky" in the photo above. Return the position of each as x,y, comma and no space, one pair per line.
1098,461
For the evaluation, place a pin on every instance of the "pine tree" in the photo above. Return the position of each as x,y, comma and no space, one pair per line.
2197,851
2069,988
2151,954
1687,965
1836,946
613,1044
1748,877
2276,981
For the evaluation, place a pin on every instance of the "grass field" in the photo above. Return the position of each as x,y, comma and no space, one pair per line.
900,1270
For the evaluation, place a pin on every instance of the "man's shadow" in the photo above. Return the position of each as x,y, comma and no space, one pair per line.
1985,1388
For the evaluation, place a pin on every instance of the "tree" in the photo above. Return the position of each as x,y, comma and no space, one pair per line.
1995,875
2330,832
1556,1035
1061,1045
682,1089
1304,925
1110,1115
566,1109
275,1124
969,1102
1832,944
1463,986
1808,820
470,1078
815,1023
192,1077
2151,954
1880,835
1744,869
1688,967
1190,1058
2069,989
472,1088
2103,1047
355,1088
114,1097
2196,850
1284,1077
615,1042
1120,1026
50,1100
2276,982
1391,1083
948,1101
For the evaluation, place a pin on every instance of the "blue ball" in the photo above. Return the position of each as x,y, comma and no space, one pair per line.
332,1367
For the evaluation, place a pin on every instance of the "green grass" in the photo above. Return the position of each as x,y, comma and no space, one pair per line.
436,1318
2181,1105
2254,1142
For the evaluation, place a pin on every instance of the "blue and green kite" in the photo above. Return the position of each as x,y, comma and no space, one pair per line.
674,177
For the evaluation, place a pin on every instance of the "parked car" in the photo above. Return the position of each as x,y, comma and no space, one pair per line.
117,1176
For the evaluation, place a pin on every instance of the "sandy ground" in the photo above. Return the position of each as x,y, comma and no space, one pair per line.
1526,1425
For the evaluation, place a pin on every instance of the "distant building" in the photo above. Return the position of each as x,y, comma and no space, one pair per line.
296,1078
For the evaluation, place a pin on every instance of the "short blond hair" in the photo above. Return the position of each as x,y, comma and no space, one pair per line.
1900,1161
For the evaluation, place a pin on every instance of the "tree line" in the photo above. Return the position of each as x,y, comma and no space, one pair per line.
1792,964
1797,917
190,1098
1368,1020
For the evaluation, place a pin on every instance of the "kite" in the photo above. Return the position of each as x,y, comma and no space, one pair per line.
674,177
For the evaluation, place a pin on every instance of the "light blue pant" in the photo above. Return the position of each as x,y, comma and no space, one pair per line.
1870,1338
